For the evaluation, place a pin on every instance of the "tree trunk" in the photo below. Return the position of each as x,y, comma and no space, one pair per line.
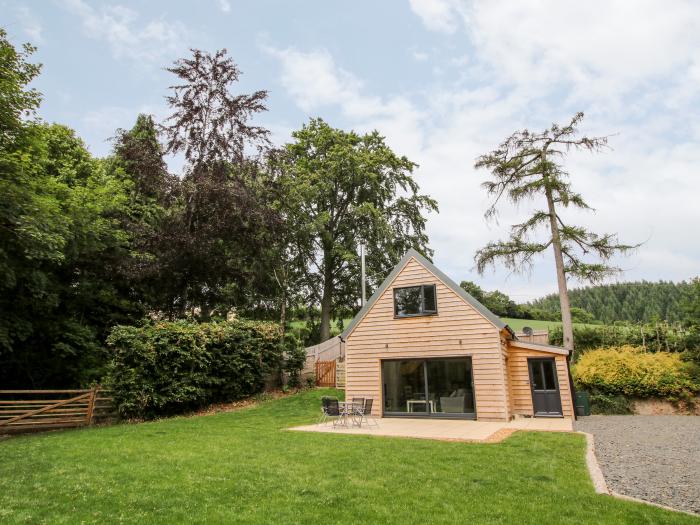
283,311
326,302
567,325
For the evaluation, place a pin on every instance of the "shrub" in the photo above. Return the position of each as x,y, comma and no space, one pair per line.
163,368
295,359
610,405
630,371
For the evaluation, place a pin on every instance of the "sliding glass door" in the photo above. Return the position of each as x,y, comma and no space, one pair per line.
428,388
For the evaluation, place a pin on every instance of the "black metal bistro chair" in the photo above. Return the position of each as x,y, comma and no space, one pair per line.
366,414
330,410
356,410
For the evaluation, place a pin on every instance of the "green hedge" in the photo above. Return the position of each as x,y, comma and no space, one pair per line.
163,368
610,405
633,372
656,337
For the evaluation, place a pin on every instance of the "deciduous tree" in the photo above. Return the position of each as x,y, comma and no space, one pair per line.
219,238
339,189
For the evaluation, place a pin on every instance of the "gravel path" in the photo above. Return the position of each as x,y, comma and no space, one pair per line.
654,458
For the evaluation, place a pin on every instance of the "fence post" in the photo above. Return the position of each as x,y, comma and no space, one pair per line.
91,405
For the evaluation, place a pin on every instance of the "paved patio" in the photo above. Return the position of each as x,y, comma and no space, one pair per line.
447,429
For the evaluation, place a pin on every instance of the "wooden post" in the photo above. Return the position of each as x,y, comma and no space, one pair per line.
91,405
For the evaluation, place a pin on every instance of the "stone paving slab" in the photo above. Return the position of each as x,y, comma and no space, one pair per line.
446,429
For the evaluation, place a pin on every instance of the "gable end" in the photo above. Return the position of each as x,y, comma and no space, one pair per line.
413,254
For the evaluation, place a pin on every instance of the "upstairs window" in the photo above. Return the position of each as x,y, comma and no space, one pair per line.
415,300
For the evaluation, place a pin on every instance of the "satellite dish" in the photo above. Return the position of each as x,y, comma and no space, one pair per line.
527,330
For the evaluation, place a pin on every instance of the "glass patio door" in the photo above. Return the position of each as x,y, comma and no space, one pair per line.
404,387
428,388
450,386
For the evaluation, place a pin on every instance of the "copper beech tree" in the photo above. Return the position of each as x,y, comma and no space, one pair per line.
529,166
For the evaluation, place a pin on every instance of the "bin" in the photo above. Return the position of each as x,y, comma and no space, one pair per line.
583,404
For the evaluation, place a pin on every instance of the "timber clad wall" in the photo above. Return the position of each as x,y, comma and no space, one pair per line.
520,393
457,330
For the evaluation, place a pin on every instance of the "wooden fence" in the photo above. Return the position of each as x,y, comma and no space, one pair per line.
35,410
536,336
325,373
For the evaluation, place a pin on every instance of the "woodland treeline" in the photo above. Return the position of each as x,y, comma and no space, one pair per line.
640,301
245,229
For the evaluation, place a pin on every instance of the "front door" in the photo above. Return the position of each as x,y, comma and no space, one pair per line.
546,400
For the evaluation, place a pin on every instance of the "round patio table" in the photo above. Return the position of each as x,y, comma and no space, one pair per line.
346,409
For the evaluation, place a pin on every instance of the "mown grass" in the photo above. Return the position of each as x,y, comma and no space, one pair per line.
244,467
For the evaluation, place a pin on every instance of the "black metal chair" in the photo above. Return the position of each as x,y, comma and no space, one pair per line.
356,410
366,415
330,410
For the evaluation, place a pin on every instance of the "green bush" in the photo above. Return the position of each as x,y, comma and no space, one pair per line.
633,372
610,405
295,359
163,368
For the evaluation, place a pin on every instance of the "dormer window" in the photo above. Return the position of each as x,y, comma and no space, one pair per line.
411,301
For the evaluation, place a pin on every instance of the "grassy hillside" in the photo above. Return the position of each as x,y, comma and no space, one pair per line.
518,324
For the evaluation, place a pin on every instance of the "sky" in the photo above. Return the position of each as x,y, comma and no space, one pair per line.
443,80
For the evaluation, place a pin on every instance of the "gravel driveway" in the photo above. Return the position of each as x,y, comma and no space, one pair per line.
654,458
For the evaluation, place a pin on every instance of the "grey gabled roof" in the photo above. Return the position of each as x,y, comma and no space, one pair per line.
488,314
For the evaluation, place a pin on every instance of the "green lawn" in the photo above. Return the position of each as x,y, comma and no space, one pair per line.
243,467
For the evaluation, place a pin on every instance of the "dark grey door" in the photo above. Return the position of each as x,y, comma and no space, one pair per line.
546,400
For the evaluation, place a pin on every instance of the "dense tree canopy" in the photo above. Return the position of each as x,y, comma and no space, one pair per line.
88,243
640,301
340,189
60,249
59,242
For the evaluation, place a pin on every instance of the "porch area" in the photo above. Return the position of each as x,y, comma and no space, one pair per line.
447,429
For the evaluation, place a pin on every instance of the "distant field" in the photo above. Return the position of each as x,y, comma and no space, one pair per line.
518,324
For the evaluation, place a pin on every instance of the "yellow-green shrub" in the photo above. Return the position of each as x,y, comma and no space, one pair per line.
631,371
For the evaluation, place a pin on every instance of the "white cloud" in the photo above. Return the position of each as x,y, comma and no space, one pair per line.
30,24
224,6
120,28
632,67
420,56
600,47
316,82
439,15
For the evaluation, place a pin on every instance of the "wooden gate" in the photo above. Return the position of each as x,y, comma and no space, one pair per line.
325,373
33,410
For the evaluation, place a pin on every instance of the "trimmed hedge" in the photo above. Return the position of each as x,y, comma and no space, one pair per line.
163,368
630,371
